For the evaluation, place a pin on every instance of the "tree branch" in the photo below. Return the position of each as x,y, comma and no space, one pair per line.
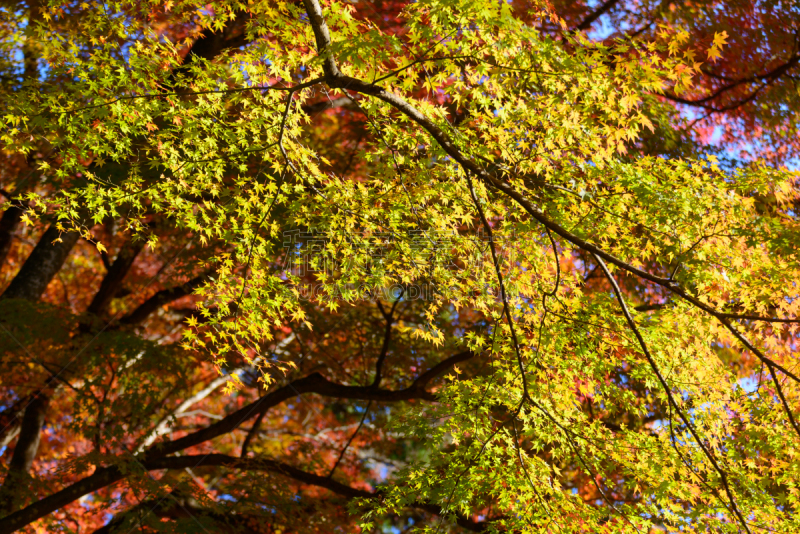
593,16
25,450
13,214
341,81
251,434
8,224
439,369
322,37
42,265
335,79
670,398
314,383
163,425
101,478
264,464
349,441
114,277
10,419
176,506
342,102
766,78
387,337
211,43
165,296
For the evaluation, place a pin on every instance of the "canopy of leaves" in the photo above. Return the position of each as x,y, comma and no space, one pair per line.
432,266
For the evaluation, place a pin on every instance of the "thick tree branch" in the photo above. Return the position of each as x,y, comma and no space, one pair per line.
596,14
10,420
42,265
165,296
163,425
272,466
25,450
443,366
28,442
210,43
114,277
101,478
8,224
314,383
322,37
342,102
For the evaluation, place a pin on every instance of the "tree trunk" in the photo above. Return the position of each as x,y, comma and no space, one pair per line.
42,265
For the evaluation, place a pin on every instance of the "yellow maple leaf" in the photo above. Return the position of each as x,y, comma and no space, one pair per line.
720,39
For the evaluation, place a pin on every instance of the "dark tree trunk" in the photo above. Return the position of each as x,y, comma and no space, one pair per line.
24,451
113,279
42,265
8,223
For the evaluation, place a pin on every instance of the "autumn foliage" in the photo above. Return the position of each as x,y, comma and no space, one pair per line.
433,266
